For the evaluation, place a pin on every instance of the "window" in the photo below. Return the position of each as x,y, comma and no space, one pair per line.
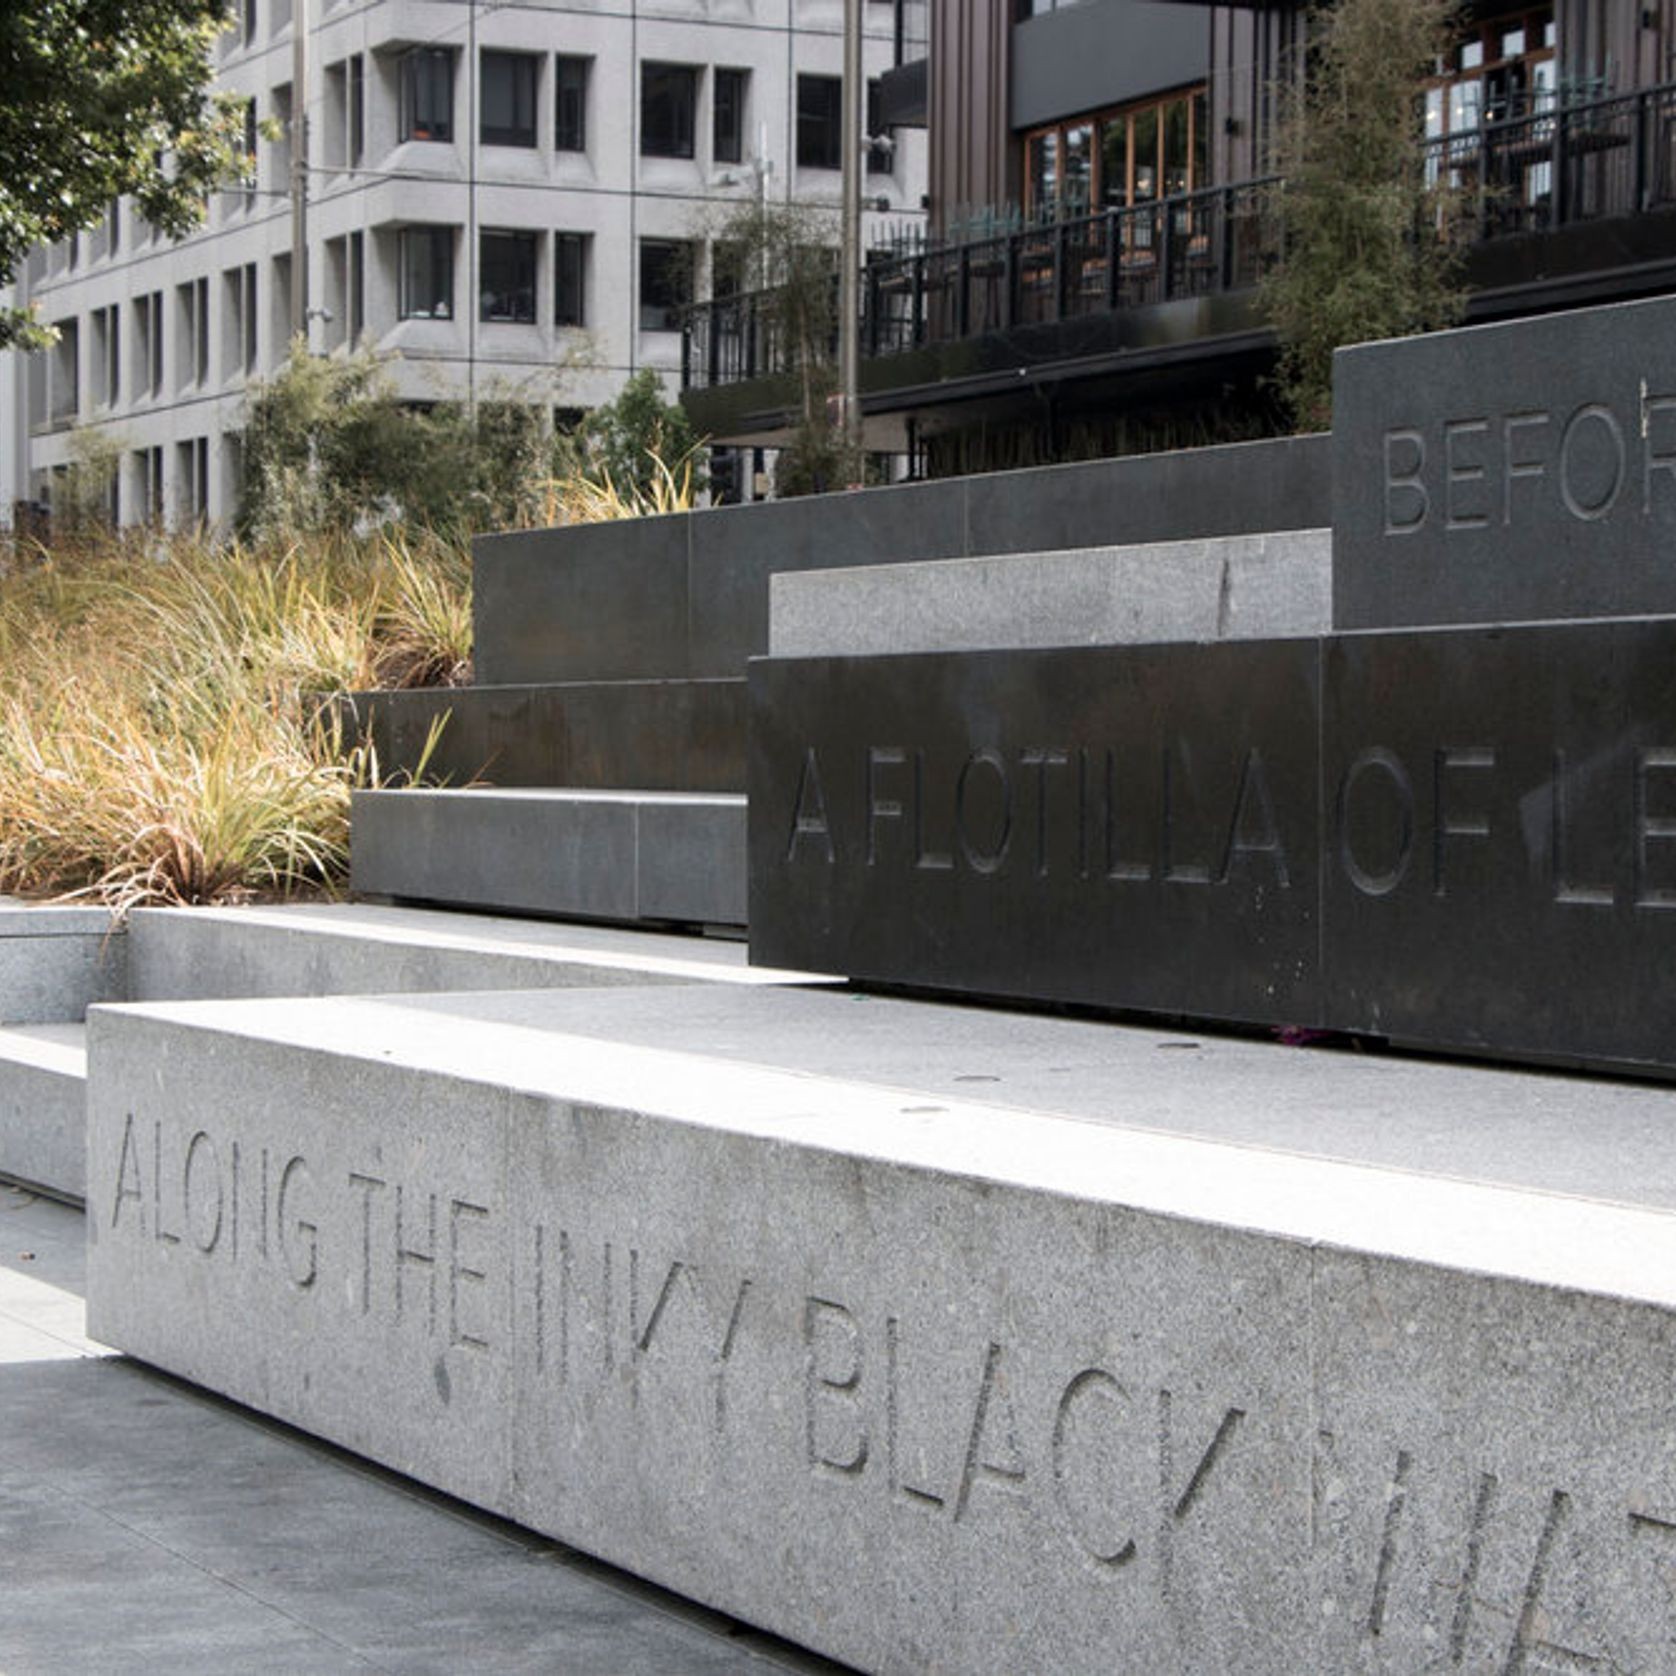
148,484
192,315
508,90
727,138
820,121
570,131
666,283
1118,159
239,319
570,265
427,94
356,139
192,479
148,344
668,109
427,273
506,277
107,356
881,148
357,287
249,19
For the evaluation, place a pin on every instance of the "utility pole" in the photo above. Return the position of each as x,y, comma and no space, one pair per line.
299,169
849,254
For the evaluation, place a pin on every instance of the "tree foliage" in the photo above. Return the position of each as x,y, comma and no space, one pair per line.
101,99
787,254
1368,236
633,439
327,445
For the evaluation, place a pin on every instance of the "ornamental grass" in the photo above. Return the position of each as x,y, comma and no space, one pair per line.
162,735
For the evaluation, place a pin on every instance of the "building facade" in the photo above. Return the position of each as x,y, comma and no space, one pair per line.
507,200
1100,211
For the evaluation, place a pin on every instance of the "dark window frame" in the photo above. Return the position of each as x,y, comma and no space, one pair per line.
516,106
820,122
729,92
669,110
437,245
664,290
570,279
427,95
515,269
571,75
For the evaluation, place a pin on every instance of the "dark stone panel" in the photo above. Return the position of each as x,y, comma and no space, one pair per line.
657,735
1240,489
735,550
1508,473
1103,52
497,852
598,602
1501,840
1124,827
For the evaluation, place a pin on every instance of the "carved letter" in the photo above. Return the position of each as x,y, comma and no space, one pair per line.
1366,879
1398,484
130,1155
808,816
830,1330
296,1175
1589,511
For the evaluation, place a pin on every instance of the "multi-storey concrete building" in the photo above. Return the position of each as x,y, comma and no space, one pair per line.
502,198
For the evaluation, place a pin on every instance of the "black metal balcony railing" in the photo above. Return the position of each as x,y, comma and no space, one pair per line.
1537,172
1555,167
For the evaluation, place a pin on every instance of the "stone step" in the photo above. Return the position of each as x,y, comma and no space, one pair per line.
627,856
1235,587
928,1339
359,948
687,595
56,960
43,1108
307,950
593,735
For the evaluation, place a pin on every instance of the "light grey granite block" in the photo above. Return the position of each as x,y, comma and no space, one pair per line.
56,961
923,1383
1239,587
43,1108
607,855
359,948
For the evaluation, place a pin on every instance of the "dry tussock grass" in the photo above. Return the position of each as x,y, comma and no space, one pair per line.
161,739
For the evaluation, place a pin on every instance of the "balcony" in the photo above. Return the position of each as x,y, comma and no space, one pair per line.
1559,205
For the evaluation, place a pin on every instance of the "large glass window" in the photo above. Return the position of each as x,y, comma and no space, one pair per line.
820,122
666,283
668,109
570,266
506,277
427,94
1502,70
508,90
728,116
570,132
427,273
1118,159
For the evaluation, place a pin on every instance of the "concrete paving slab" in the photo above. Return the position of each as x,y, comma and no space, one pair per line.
144,1525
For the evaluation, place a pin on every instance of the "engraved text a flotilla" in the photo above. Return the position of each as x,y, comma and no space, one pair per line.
1603,834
